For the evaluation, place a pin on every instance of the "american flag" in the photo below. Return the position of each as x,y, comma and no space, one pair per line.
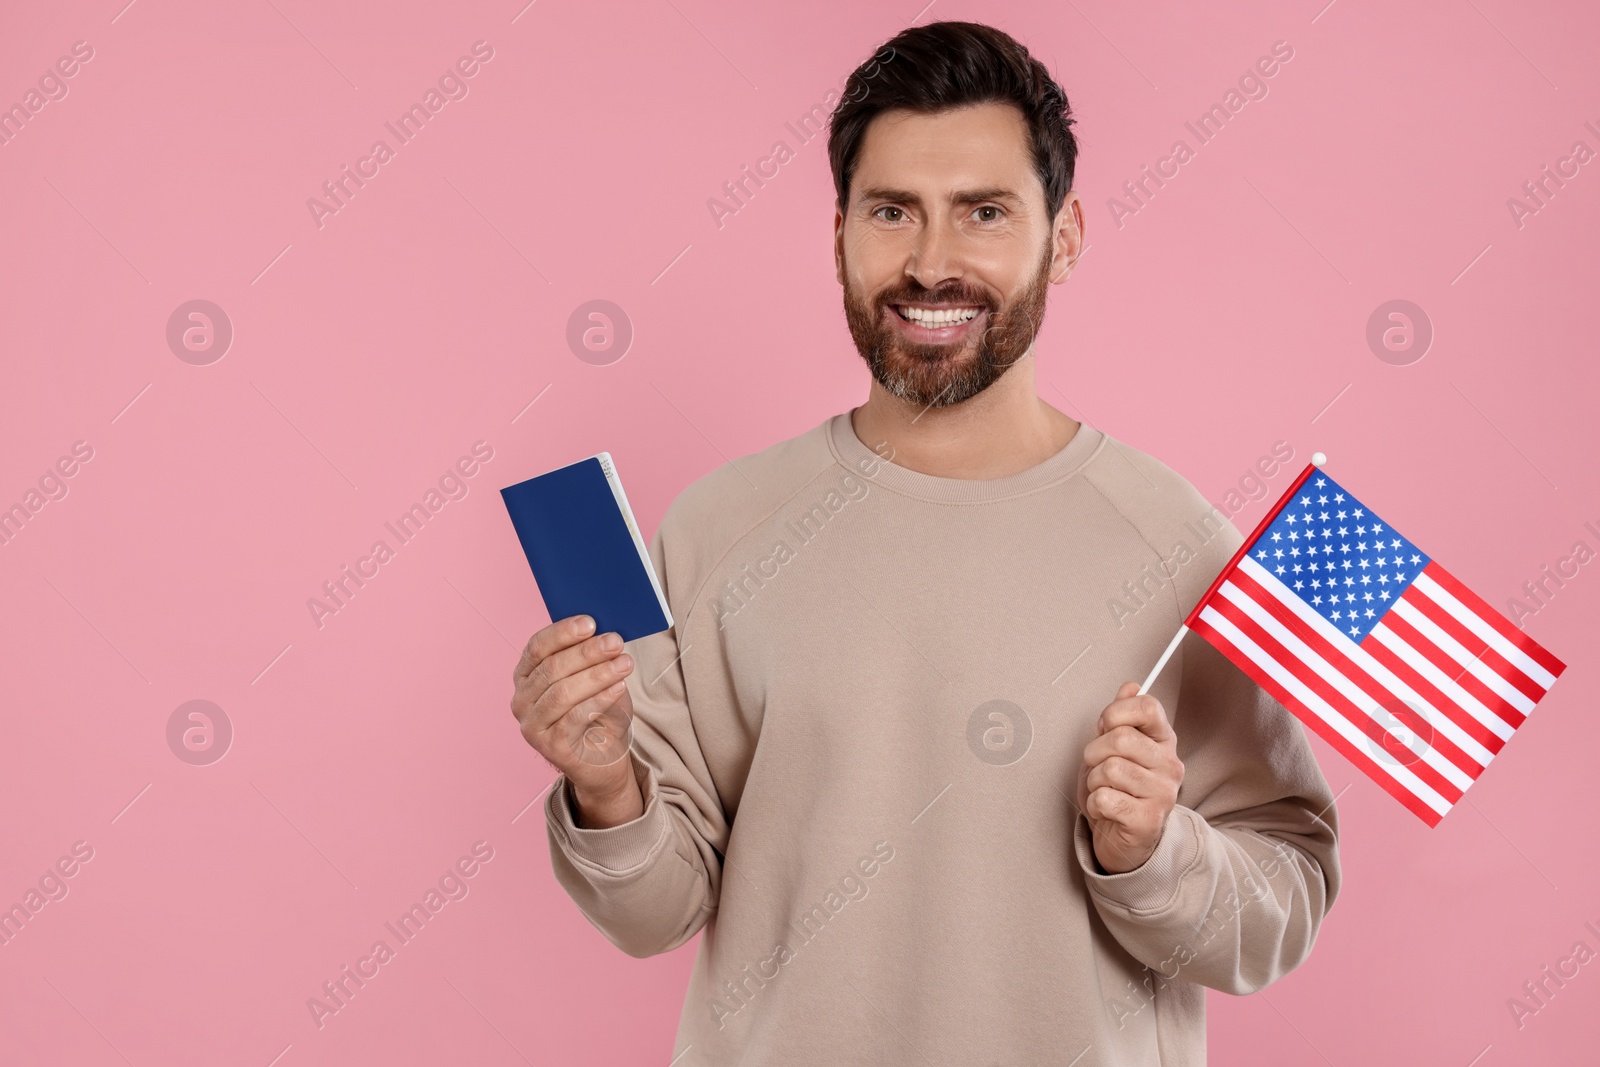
1372,644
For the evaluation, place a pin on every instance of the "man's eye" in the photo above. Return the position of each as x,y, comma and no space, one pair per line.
889,207
988,207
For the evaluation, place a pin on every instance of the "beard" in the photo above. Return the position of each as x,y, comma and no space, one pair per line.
939,375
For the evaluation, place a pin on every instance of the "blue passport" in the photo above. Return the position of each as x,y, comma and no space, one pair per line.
588,558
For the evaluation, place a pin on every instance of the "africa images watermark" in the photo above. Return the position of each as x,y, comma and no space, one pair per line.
339,591
452,885
452,85
52,886
1537,992
804,527
1147,587
740,992
1541,190
1252,85
1537,593
811,125
1137,996
52,485
52,87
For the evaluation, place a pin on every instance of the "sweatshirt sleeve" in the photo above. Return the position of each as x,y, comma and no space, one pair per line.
1248,864
649,885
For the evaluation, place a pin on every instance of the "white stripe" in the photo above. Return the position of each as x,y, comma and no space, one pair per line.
1476,623
1458,652
1441,681
1414,785
1364,659
1338,679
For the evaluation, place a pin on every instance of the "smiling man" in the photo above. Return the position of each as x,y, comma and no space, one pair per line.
890,759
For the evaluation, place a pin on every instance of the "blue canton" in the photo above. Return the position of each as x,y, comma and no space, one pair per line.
1337,556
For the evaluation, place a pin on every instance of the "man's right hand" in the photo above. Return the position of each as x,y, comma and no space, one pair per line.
571,700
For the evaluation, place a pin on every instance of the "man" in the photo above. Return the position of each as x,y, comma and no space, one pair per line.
890,759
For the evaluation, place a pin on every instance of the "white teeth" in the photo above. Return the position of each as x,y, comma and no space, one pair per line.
939,317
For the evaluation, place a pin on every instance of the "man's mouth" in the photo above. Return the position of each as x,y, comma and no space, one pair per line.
935,316
937,324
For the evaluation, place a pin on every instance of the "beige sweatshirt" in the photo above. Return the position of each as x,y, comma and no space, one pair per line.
859,748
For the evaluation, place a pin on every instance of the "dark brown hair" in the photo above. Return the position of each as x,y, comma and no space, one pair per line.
948,65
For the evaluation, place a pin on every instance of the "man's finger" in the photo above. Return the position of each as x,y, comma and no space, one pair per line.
1109,804
1125,776
1127,742
1144,714
550,640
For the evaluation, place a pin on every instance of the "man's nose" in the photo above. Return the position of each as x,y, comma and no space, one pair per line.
935,255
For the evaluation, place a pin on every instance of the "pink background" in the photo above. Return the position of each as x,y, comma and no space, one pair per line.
369,354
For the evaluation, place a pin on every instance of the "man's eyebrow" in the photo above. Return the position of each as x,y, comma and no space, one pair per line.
962,196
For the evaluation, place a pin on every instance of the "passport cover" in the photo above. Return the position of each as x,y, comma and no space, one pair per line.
588,558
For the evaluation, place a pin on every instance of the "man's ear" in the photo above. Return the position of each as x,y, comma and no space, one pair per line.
1066,236
838,244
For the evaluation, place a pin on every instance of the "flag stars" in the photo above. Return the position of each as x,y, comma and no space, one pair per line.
1324,524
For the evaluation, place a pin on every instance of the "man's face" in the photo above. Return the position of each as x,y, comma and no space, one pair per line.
945,250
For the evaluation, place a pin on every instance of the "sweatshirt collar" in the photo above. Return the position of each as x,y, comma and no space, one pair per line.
852,453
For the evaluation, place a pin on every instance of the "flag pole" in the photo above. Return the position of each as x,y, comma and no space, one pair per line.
1172,646
1317,460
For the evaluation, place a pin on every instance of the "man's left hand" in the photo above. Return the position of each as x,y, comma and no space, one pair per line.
1129,780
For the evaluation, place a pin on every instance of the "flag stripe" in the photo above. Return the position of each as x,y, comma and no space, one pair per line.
1347,700
1402,784
1516,646
1414,681
1427,660
1476,646
1496,694
1368,668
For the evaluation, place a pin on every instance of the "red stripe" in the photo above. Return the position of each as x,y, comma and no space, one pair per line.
1425,689
1446,663
1342,705
1249,543
1476,646
1346,666
1503,625
1326,732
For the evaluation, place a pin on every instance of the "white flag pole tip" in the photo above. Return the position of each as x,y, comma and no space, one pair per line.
1318,459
